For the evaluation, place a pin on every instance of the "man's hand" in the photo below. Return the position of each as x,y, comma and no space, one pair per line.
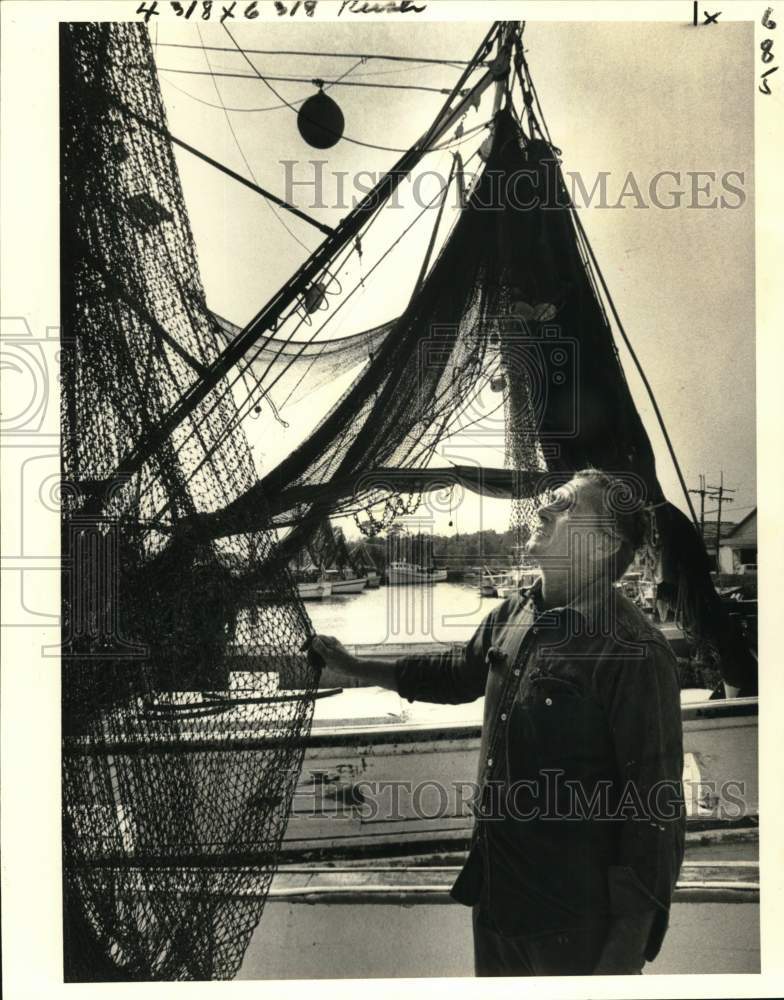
624,951
334,653
371,671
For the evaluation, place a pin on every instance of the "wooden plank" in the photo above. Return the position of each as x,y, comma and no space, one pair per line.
710,881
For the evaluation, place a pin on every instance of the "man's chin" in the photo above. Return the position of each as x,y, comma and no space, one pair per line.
537,547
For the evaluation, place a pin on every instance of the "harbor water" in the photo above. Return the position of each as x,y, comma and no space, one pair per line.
441,612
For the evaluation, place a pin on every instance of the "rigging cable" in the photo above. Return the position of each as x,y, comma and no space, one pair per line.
294,104
434,234
232,355
222,167
372,269
639,367
621,329
240,415
242,153
307,79
331,55
271,107
344,137
486,44
422,273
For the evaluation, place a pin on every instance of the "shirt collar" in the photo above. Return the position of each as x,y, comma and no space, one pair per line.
590,602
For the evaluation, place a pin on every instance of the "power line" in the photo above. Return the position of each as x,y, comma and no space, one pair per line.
714,493
719,491
737,510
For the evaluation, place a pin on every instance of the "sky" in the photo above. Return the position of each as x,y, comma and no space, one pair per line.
639,98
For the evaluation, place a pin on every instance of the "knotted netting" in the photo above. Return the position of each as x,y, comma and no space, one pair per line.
186,695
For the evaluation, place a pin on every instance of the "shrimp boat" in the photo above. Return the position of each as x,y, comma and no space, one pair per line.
345,584
314,590
202,742
406,573
364,565
519,579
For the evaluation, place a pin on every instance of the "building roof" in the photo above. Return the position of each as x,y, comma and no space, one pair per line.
709,530
746,525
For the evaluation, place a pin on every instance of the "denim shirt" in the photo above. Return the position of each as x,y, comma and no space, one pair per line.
580,812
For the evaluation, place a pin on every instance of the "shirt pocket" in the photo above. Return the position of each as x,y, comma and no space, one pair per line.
557,727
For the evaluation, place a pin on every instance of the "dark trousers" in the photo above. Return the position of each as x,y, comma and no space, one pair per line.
573,951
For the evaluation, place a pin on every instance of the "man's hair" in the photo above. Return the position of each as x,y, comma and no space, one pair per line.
622,499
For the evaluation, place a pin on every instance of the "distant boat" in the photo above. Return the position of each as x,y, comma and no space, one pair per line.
347,584
516,580
373,580
406,572
314,591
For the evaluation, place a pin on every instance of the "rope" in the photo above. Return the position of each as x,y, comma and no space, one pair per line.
294,105
434,233
240,416
420,278
224,169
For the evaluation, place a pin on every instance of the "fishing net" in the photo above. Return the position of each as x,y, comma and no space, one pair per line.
424,373
186,696
307,364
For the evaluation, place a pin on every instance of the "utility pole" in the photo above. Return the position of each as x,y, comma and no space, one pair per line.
718,494
701,493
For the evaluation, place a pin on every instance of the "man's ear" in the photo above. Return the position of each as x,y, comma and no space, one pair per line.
611,543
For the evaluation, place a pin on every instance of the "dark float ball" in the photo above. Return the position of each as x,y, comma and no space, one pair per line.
320,121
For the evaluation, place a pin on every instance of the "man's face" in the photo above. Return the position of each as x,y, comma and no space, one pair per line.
572,520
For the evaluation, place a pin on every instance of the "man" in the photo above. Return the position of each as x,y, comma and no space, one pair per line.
580,824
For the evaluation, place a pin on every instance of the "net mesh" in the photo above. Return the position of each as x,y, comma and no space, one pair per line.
186,697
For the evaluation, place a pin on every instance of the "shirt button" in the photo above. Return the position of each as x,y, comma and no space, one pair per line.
516,672
548,701
503,716
489,761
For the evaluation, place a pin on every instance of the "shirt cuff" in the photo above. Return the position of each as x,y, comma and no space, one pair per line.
405,688
627,893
